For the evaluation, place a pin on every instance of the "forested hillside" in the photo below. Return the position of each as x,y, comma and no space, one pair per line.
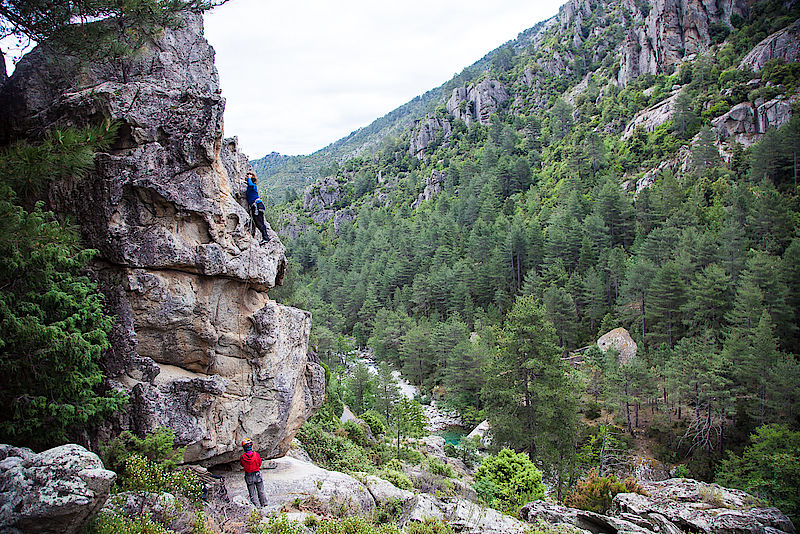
485,243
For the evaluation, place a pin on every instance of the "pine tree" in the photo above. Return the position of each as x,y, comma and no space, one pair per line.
527,386
52,318
667,297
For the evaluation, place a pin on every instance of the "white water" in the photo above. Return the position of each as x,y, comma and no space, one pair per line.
438,418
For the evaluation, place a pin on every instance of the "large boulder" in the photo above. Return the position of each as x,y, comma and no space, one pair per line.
620,340
54,491
292,482
197,341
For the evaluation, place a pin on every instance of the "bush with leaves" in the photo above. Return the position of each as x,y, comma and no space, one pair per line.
595,492
375,422
333,452
438,467
508,480
769,467
158,447
52,321
142,474
107,522
355,433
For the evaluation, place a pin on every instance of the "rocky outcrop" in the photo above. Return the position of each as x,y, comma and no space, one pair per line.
477,102
197,341
322,194
481,433
434,184
669,32
53,491
431,130
670,507
784,44
582,520
700,507
620,340
652,117
746,123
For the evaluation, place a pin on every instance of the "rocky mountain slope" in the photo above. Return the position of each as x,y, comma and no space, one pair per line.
198,343
617,40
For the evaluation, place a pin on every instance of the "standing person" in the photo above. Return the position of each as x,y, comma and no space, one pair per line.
256,205
251,461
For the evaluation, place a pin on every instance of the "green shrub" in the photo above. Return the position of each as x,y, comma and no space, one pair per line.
333,452
375,422
515,480
112,523
429,526
279,525
769,467
353,524
355,433
397,478
141,474
157,447
438,467
595,493
681,471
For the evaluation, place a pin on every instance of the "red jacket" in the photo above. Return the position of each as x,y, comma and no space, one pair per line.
251,461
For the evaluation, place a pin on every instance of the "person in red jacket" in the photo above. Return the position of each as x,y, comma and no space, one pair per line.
251,461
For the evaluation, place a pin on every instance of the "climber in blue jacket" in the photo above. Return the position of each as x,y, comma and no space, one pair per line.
256,205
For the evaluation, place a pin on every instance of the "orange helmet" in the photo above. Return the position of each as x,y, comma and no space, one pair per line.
247,443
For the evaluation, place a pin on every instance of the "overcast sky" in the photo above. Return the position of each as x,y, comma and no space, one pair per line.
298,75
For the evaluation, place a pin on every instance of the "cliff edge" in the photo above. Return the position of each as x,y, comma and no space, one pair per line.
198,343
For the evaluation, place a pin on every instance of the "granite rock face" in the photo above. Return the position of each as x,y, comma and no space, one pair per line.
670,507
322,194
784,44
434,184
197,341
477,102
54,491
746,123
669,32
651,118
427,132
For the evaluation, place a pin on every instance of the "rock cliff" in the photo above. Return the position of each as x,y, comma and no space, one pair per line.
666,32
784,44
198,342
477,102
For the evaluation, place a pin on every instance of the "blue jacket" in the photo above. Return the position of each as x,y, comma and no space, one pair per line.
252,192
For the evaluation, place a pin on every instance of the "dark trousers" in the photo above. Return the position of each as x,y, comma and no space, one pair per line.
255,486
258,218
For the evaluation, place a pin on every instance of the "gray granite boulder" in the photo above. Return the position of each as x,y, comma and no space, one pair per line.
57,490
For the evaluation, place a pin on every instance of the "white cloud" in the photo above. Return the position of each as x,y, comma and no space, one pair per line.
300,75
